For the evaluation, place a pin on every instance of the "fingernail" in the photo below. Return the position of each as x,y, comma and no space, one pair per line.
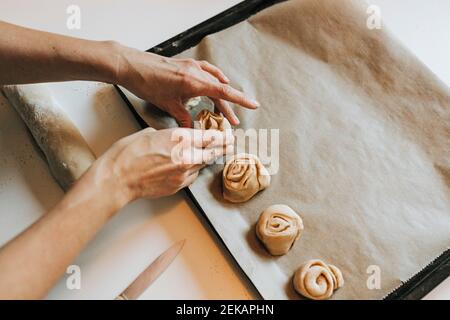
255,103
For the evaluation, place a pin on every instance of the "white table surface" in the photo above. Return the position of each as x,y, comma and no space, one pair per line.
143,229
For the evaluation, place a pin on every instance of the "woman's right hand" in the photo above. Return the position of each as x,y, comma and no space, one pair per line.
169,82
154,163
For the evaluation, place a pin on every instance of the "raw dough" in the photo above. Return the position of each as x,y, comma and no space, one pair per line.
243,176
278,228
210,120
317,280
68,155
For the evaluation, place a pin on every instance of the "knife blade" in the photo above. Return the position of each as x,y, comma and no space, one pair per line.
151,273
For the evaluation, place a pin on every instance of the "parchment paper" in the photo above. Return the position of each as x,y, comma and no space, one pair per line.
364,146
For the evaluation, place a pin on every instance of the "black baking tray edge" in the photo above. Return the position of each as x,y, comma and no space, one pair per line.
416,287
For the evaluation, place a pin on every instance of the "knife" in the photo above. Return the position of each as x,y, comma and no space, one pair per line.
151,273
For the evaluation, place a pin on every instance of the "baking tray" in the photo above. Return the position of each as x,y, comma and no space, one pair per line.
416,287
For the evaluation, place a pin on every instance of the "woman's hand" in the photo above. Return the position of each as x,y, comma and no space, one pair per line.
168,83
154,163
146,164
29,56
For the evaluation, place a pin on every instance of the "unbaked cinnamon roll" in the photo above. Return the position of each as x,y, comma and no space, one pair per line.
317,280
243,176
278,228
210,120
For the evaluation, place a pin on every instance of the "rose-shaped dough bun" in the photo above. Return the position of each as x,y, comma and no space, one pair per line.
317,280
243,176
210,120
278,228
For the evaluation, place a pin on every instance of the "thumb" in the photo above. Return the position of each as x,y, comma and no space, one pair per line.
181,115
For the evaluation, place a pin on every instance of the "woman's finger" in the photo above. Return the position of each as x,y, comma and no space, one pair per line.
213,138
226,92
227,111
196,158
215,71
190,179
189,140
181,115
212,154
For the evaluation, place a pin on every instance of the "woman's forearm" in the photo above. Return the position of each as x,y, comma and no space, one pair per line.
31,263
140,165
29,56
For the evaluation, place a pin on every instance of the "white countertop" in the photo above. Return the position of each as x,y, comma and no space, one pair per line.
145,228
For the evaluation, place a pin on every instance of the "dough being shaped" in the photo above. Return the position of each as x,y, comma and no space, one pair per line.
278,228
210,120
67,153
243,176
317,280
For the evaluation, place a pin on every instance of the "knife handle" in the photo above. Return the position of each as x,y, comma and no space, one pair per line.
121,297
